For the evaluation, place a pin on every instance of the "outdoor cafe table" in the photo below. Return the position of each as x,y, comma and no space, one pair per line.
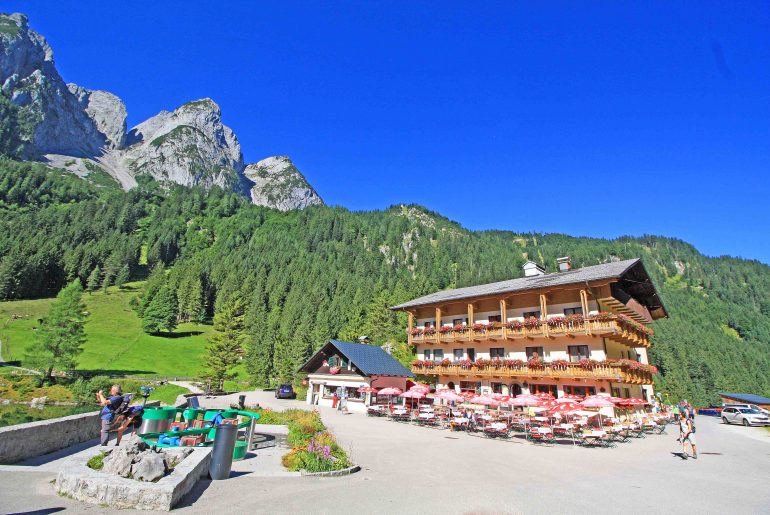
593,438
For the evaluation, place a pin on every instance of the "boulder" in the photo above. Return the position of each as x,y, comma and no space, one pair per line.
173,457
119,462
149,466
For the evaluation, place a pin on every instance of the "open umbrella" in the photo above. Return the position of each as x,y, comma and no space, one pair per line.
565,407
412,394
484,401
390,392
598,402
367,389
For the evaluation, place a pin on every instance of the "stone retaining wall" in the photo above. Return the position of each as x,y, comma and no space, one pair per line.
32,439
79,482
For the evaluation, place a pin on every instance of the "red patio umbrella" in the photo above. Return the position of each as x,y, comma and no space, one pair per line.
390,391
367,389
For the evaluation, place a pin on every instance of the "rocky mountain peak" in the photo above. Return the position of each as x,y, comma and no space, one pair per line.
189,145
277,183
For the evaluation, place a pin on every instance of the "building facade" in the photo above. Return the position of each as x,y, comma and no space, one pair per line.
581,332
342,368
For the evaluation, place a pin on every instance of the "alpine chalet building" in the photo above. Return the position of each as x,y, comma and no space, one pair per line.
581,331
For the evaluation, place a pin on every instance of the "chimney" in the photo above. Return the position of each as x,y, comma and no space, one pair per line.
565,264
532,269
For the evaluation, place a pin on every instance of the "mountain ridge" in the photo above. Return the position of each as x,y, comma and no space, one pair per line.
67,126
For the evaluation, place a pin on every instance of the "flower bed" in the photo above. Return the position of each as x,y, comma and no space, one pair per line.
314,448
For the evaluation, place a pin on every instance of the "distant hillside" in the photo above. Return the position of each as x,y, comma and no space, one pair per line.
327,272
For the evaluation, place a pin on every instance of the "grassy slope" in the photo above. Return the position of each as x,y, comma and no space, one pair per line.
116,343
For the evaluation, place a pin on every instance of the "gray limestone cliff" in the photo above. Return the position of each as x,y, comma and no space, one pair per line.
82,130
278,184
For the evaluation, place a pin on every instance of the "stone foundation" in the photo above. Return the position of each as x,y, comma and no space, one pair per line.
78,481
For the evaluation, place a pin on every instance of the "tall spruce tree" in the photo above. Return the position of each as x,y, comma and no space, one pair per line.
161,315
61,335
124,274
94,279
225,347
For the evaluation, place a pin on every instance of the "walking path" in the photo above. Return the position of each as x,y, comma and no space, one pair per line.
189,385
4,363
416,469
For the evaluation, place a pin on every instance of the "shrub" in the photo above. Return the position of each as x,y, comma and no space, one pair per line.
97,462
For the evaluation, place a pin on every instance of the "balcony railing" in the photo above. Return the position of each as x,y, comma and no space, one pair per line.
616,328
614,373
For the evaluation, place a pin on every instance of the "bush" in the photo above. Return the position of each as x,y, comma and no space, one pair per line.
97,462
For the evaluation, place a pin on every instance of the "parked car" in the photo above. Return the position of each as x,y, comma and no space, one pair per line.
285,391
745,416
750,406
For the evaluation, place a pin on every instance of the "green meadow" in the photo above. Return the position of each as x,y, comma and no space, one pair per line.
116,344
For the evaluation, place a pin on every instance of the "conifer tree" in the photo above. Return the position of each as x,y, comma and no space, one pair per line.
61,335
109,275
124,274
161,314
225,347
94,279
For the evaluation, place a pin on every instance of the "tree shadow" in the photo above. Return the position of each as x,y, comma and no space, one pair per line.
113,372
181,334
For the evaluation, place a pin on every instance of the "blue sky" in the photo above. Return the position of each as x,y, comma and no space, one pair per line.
591,118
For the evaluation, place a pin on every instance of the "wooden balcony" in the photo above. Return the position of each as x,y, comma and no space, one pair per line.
613,328
602,372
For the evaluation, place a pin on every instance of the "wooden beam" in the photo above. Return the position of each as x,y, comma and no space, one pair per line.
504,317
438,325
470,321
411,326
544,314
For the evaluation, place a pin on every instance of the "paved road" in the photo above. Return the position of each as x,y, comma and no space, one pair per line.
412,469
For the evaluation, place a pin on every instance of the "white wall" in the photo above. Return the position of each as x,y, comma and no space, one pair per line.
553,349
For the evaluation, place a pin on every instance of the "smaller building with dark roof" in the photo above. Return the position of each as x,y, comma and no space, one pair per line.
745,398
342,368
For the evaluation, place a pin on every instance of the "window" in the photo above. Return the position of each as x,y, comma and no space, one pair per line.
626,393
497,352
573,311
471,354
470,386
458,321
332,361
438,354
494,318
578,352
497,387
458,354
354,394
583,391
426,354
531,314
531,351
544,388
429,324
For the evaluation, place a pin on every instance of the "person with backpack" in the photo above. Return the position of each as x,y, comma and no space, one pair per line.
687,435
109,406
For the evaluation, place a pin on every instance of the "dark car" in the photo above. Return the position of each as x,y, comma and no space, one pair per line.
285,391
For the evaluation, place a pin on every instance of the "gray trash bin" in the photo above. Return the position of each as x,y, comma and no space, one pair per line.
222,453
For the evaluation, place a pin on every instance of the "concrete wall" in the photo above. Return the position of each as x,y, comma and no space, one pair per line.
24,441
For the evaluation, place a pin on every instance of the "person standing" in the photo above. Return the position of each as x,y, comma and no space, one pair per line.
687,435
107,415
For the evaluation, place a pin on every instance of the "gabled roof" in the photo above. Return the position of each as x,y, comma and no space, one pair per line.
748,398
611,270
371,360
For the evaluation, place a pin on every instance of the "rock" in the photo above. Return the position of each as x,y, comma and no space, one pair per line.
149,466
38,402
189,146
277,183
106,110
119,462
55,122
135,445
173,457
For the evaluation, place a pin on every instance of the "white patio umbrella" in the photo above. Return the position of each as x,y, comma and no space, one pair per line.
598,402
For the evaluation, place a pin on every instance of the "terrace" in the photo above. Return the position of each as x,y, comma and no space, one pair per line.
623,371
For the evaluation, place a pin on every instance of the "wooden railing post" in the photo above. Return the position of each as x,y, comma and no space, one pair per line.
504,318
470,321
544,314
411,326
438,325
